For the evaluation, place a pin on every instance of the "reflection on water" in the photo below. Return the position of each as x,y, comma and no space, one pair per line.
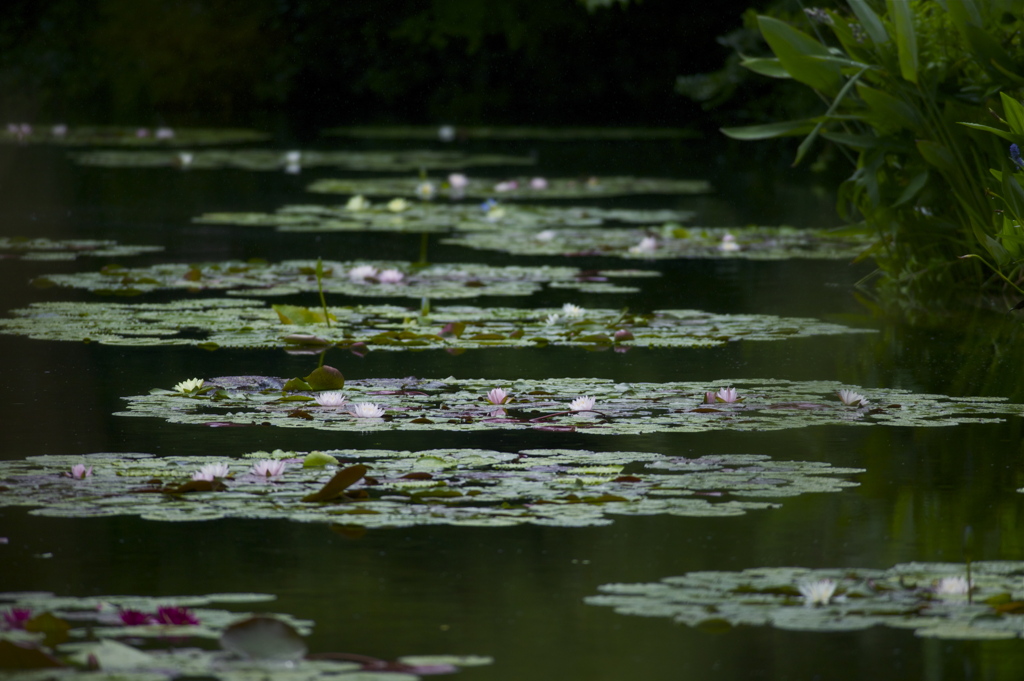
516,593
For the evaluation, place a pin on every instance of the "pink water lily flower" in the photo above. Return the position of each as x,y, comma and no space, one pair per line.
391,276
498,396
212,471
457,181
268,468
80,471
538,183
728,395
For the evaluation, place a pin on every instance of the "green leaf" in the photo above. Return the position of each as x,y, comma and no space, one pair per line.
937,155
809,140
766,66
852,141
795,50
770,130
913,188
887,111
318,459
988,128
906,38
341,481
873,26
325,378
1013,195
294,314
1014,113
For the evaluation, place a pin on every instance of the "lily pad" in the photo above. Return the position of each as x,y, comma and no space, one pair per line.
618,408
373,278
927,598
212,323
276,159
521,187
67,249
450,133
673,242
423,216
111,136
387,488
104,632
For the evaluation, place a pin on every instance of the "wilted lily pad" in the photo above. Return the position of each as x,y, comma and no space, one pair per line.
213,323
521,187
617,408
109,136
102,634
386,488
371,278
67,249
275,159
672,241
447,133
929,598
422,216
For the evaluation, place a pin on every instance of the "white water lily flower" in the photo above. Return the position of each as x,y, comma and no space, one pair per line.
728,395
506,186
268,468
728,244
191,385
390,276
293,158
164,133
357,202
426,190
552,319
538,183
457,181
367,410
546,235
80,471
330,398
953,586
398,205
212,471
185,158
59,130
361,273
818,592
647,245
497,396
852,399
446,133
572,311
582,403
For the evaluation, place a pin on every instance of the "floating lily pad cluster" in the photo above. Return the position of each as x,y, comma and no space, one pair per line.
618,409
111,136
404,488
422,216
672,241
215,322
378,279
274,159
521,187
929,598
112,638
68,249
450,133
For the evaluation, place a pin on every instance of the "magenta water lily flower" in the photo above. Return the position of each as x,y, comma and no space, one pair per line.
15,618
133,618
175,615
268,468
498,396
582,403
212,471
80,471
367,410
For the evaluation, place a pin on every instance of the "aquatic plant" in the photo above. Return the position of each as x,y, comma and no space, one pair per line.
330,398
190,385
269,468
367,410
728,395
582,403
39,248
818,592
498,396
211,472
852,398
80,471
66,135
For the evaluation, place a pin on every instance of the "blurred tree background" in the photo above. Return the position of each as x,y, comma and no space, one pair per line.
326,62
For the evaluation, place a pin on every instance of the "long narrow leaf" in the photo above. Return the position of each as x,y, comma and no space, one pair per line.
988,128
1014,112
794,49
770,130
809,140
772,68
869,20
906,38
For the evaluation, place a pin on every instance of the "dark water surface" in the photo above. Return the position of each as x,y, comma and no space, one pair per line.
516,593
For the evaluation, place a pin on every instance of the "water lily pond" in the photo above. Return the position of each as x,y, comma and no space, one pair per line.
530,404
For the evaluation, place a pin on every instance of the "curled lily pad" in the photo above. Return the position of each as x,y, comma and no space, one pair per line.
448,133
929,598
264,638
111,136
389,488
672,242
213,323
555,404
371,278
67,249
521,187
276,159
439,217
